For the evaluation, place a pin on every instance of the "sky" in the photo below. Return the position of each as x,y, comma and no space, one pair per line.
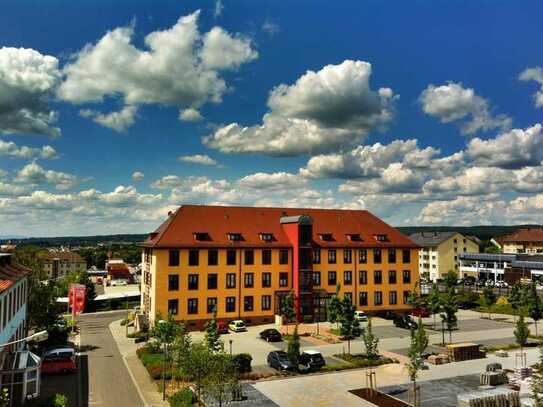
113,113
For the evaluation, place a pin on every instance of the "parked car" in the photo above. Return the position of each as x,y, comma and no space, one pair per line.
502,284
404,321
58,360
390,315
360,316
279,360
271,335
420,312
114,283
311,360
222,328
489,283
237,326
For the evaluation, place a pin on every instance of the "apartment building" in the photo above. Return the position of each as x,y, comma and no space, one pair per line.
528,240
439,252
58,263
243,261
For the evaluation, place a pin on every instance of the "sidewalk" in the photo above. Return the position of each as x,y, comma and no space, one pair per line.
147,388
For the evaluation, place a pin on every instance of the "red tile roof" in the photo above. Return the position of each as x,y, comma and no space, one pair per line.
10,272
71,257
178,230
523,235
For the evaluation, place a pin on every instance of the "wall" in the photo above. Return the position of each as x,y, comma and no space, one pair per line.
449,249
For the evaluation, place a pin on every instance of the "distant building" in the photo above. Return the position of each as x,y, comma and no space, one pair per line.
501,267
59,263
439,252
529,240
117,269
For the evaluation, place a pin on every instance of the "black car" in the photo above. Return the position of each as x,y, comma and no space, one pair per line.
279,360
404,321
271,335
311,360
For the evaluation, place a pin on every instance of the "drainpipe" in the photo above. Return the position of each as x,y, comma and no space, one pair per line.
239,284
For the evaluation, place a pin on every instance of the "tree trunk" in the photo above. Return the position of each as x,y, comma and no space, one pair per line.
450,335
434,322
535,324
349,344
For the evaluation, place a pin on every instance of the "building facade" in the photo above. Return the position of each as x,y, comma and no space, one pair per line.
440,250
528,240
243,261
59,263
502,267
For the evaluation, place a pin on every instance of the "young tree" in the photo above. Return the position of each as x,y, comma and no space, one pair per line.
335,308
522,332
197,367
419,342
293,349
212,336
488,298
350,327
434,302
535,309
370,341
515,298
287,308
222,378
450,279
537,381
448,316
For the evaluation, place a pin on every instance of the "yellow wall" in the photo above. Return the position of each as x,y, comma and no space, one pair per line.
528,247
447,252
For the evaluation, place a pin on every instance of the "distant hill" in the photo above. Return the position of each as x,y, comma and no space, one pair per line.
78,240
482,232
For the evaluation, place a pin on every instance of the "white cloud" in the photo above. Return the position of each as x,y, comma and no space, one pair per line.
179,66
190,115
118,121
534,74
218,9
513,149
277,180
270,28
464,211
127,196
201,159
453,102
27,81
34,174
10,149
323,111
138,176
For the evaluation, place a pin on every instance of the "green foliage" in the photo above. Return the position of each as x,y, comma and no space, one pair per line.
491,248
287,308
537,381
535,309
450,279
4,397
81,277
335,307
182,398
197,365
419,343
165,330
433,302
223,377
242,362
97,255
293,349
212,337
350,327
449,307
370,341
488,298
515,296
42,306
522,332
60,400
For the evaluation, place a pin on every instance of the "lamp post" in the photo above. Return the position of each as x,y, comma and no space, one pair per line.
230,343
127,314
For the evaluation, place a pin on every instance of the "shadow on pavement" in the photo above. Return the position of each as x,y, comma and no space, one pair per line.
84,380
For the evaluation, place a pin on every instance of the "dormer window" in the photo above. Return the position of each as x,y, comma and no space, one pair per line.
201,236
325,236
234,237
266,237
381,238
354,237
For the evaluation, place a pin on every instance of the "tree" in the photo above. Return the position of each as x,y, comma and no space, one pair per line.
212,337
350,327
449,307
287,308
335,307
419,342
537,380
488,298
222,378
434,302
79,277
197,367
450,279
515,298
293,349
370,341
535,309
522,332
42,306
492,249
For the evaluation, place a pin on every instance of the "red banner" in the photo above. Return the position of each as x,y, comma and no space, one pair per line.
76,298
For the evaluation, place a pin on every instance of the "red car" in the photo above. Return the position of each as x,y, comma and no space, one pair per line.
59,360
222,328
420,312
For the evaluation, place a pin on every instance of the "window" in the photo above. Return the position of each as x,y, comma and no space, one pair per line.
266,302
377,277
406,276
173,307
248,303
362,256
234,237
266,279
317,256
464,240
283,256
212,281
173,282
248,280
193,281
377,256
332,256
266,256
174,258
381,238
249,256
211,305
212,257
283,279
347,277
349,296
325,236
392,256
392,277
332,280
406,256
378,298
363,277
363,298
194,257
201,236
347,256
392,298
266,237
192,305
455,241
230,304
230,280
406,297
231,257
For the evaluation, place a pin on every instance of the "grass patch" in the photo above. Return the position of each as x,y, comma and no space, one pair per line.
504,309
509,346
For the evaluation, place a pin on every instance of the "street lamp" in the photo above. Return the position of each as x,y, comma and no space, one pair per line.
230,343
36,337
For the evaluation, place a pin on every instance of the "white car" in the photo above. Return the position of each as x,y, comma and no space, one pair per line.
502,284
237,326
118,282
360,316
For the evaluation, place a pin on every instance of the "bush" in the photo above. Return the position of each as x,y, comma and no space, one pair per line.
242,362
183,398
155,371
57,400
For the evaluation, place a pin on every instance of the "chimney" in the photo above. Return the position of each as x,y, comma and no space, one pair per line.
170,213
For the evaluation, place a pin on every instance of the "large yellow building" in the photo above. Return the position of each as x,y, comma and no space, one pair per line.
242,261
440,250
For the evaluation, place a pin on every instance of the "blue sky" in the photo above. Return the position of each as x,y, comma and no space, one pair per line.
302,103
